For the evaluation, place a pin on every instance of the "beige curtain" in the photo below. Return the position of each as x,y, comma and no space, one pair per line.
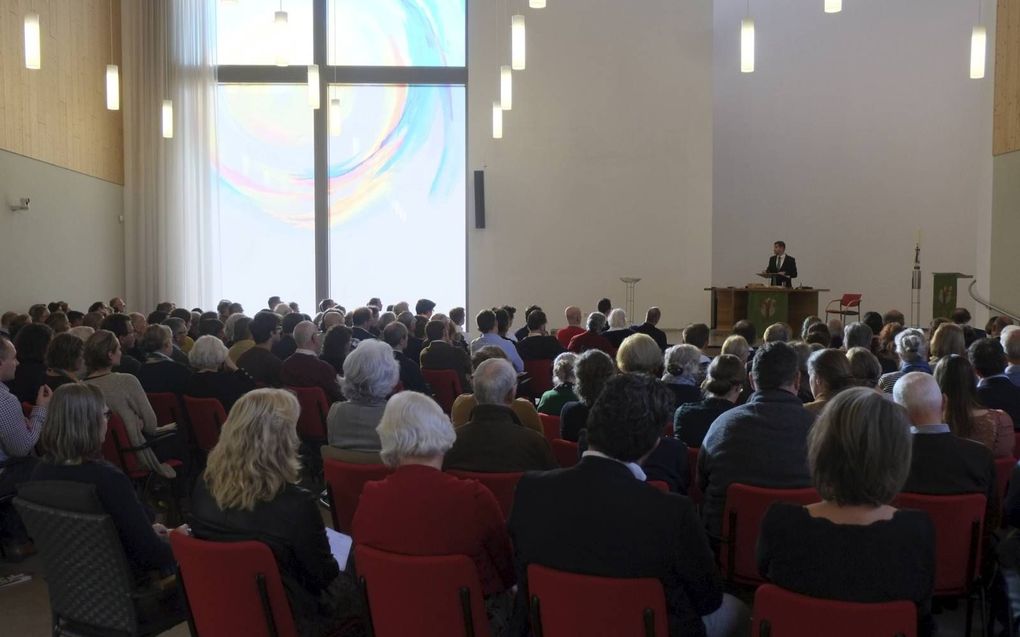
170,199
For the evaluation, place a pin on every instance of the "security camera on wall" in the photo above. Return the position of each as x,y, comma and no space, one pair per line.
21,205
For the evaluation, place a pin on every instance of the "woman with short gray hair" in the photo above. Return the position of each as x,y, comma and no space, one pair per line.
370,374
562,392
859,454
618,328
214,373
683,364
912,350
419,510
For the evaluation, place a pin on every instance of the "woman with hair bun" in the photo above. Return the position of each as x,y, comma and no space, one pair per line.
726,377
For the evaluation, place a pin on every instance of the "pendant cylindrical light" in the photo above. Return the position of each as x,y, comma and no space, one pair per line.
280,33
112,87
517,38
833,6
747,45
978,42
33,44
168,119
313,85
506,88
335,122
497,121
536,4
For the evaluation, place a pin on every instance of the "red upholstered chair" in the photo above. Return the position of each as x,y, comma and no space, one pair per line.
1003,471
232,588
550,427
566,452
958,520
206,416
118,450
846,305
445,385
660,485
167,408
502,485
694,492
311,424
782,613
574,605
425,596
344,482
540,372
742,516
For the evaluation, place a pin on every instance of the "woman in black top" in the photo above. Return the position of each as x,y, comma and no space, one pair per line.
249,492
31,343
336,346
64,360
852,545
160,373
726,376
592,369
72,437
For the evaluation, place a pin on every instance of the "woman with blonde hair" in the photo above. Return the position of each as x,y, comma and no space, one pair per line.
947,340
249,491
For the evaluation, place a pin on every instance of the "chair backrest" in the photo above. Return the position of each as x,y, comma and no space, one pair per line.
206,416
550,426
745,507
566,452
445,385
694,491
850,300
502,485
87,573
311,424
345,481
167,408
116,432
425,596
782,613
958,520
233,588
660,485
569,604
540,372
1003,471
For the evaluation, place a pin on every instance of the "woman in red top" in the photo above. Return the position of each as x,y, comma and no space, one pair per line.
419,510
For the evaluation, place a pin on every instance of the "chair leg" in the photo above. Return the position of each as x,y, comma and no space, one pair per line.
465,607
536,616
970,616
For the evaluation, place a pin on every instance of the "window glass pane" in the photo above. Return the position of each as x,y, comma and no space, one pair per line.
246,32
397,33
397,195
266,194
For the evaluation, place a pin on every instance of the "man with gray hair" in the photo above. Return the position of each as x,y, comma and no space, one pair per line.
592,338
942,463
494,441
303,368
857,334
1010,339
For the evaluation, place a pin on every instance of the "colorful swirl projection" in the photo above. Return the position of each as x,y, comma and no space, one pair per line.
399,33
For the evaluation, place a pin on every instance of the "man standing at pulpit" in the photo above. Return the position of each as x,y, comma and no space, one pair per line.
782,265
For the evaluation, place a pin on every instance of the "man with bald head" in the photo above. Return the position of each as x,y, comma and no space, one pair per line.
942,463
304,369
573,328
650,328
494,440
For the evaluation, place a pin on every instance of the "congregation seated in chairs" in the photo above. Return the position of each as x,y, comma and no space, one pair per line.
406,515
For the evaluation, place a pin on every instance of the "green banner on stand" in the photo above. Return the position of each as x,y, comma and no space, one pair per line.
766,307
943,293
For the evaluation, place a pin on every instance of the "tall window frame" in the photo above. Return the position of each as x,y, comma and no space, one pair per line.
343,75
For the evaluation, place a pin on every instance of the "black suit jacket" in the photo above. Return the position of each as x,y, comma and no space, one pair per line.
789,269
597,518
410,374
163,375
654,332
998,392
944,464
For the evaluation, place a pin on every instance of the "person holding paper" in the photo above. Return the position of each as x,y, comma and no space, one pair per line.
249,491
783,266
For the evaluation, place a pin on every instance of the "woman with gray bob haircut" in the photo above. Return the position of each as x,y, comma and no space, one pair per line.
215,375
208,352
562,392
859,453
370,374
414,430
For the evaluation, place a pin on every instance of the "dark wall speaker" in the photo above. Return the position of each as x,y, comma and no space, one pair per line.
479,198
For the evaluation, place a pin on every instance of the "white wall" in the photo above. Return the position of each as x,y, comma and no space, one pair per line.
855,130
605,168
1005,254
68,246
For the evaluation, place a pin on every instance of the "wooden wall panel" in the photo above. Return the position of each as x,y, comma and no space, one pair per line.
57,114
1007,78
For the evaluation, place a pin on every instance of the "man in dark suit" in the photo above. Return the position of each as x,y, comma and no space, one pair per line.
652,317
942,463
601,518
994,389
361,324
395,335
784,266
303,368
441,354
537,344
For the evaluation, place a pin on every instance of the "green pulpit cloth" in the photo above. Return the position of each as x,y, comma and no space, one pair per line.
765,308
943,293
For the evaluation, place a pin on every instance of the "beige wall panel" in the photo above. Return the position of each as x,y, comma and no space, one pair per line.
1007,78
57,114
